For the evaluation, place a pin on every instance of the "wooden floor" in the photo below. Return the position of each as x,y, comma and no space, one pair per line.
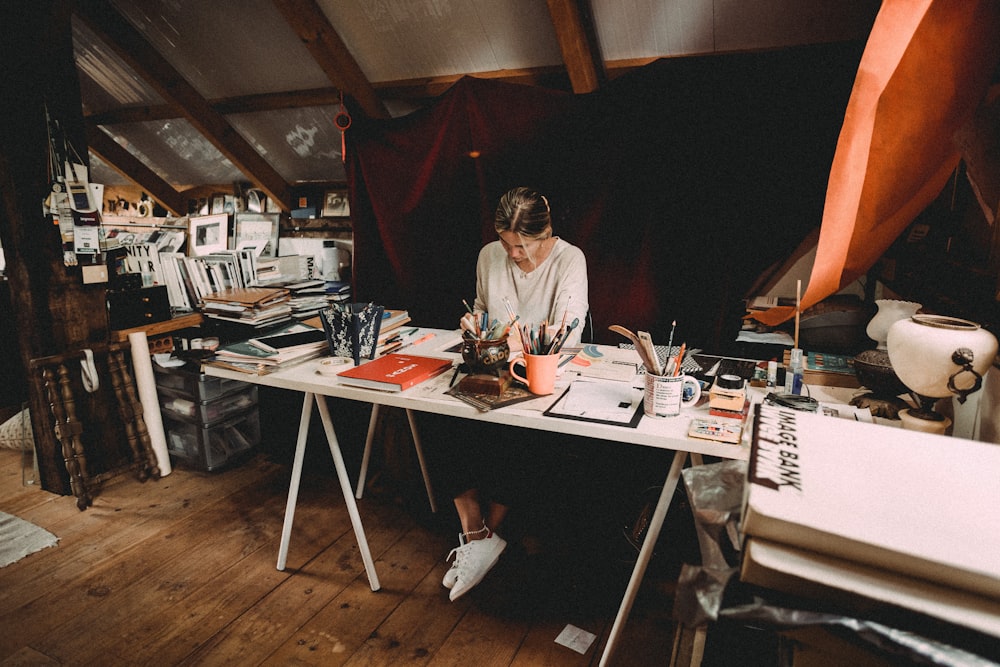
181,570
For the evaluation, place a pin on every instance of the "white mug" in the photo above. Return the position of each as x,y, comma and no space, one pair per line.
667,394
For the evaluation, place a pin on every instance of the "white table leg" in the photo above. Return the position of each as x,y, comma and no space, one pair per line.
293,486
363,474
645,553
345,487
420,457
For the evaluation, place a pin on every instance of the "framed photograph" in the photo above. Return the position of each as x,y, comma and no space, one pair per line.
207,234
335,204
257,230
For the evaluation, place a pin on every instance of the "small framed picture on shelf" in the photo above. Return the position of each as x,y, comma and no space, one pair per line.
207,234
259,230
335,204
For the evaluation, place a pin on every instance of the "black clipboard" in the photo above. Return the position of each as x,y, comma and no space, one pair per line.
553,412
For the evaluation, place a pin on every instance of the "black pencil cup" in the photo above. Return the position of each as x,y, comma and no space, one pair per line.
352,329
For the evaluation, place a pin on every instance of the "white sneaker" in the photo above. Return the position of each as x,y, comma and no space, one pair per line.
473,560
452,574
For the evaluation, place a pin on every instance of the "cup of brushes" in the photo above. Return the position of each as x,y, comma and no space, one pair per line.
540,358
485,351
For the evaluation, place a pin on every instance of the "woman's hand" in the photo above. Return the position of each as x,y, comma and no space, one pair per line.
469,323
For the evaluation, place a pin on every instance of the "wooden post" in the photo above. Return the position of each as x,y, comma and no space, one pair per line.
54,311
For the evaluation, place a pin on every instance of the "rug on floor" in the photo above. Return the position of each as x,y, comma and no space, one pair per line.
18,538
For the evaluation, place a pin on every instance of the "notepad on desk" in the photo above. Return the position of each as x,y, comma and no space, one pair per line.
616,403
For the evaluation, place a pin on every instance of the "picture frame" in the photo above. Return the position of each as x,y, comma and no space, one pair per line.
208,234
257,229
335,204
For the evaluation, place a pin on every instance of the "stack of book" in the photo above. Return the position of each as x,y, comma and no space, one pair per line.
391,334
826,369
190,279
256,306
279,348
873,516
338,291
307,297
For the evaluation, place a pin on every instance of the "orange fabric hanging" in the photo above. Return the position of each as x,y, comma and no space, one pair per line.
924,71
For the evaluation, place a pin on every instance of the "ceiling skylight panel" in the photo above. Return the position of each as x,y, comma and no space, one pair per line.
303,145
108,72
208,43
406,39
176,152
519,32
629,29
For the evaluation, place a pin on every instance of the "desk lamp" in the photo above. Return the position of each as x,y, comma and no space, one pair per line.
936,356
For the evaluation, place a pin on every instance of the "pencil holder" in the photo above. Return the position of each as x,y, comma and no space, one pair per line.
485,356
352,329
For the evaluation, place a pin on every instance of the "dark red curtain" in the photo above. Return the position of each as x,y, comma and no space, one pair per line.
682,182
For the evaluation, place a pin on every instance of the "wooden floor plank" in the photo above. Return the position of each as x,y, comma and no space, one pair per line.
122,517
258,633
345,625
234,590
416,629
186,559
182,571
482,639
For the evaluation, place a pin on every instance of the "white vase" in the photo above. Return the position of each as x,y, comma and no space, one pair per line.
889,312
938,356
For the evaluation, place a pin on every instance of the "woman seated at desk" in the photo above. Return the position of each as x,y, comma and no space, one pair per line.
544,278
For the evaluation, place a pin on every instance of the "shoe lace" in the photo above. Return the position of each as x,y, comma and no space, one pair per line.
458,552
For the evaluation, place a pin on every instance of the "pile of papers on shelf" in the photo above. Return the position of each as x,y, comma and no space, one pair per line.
278,348
249,305
306,297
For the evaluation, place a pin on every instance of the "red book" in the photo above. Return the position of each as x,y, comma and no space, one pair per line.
394,372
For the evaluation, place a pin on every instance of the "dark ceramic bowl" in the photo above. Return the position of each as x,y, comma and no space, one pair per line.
875,372
485,356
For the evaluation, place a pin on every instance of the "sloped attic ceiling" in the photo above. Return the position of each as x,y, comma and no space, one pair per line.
186,93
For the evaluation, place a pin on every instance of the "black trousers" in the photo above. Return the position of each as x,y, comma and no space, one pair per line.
504,464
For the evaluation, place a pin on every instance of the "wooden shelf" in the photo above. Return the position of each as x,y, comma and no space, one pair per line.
160,328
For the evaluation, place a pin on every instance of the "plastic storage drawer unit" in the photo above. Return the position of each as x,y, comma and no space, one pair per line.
178,404
211,447
194,383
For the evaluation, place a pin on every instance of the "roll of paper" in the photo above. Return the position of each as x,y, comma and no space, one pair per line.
145,383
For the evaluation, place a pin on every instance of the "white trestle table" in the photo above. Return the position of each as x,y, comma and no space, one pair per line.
668,433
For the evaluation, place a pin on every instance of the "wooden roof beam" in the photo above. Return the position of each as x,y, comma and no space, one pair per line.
578,43
120,36
133,169
330,53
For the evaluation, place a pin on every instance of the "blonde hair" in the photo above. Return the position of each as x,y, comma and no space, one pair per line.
525,212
